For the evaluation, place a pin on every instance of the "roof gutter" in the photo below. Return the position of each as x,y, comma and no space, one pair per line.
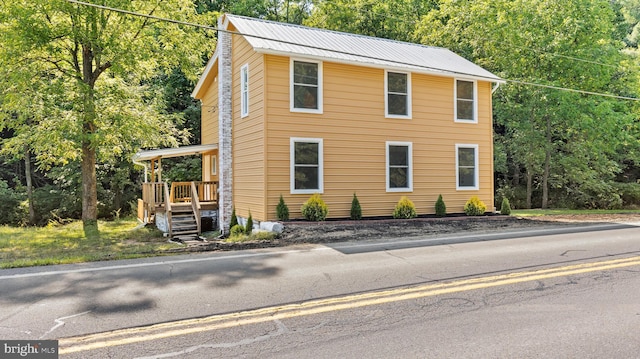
493,90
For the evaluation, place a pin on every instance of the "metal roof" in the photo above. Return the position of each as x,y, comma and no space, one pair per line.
301,41
147,155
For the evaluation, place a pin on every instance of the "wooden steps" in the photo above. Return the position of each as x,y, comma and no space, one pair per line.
182,220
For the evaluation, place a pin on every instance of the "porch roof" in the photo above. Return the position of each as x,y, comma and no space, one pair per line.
148,155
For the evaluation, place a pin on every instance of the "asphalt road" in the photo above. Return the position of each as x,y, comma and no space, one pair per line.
512,295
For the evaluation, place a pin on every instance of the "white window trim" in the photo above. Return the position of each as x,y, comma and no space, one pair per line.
476,173
386,95
292,168
409,171
320,87
214,165
455,101
244,97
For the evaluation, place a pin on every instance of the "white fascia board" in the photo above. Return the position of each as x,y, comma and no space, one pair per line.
205,73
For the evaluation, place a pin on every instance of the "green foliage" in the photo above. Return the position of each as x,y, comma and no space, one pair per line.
505,208
79,81
356,210
237,230
234,219
404,209
282,210
315,209
548,141
441,208
629,193
249,228
475,207
10,209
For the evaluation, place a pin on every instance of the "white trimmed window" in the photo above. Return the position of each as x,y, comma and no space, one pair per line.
244,91
306,165
399,166
306,86
466,105
214,165
397,90
467,167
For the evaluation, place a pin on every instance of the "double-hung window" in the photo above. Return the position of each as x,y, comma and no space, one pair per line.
244,91
466,104
397,88
306,165
306,86
467,167
399,167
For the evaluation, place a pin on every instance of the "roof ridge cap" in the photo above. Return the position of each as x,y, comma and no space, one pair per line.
342,33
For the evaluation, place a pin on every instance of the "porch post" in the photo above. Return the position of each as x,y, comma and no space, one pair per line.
225,113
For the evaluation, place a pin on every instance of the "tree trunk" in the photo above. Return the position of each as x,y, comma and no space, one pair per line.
529,187
547,166
27,174
89,180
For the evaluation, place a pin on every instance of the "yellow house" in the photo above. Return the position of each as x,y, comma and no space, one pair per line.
294,111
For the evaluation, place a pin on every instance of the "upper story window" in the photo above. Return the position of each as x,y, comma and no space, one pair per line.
244,90
306,165
467,167
399,167
397,88
306,86
466,103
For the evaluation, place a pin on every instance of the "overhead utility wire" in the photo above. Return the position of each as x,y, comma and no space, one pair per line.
206,27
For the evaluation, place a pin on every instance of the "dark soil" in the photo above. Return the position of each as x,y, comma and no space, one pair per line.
299,232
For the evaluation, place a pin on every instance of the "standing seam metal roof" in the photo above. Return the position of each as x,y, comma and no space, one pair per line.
280,38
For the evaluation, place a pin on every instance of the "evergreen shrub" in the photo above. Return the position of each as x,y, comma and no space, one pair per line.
282,211
234,219
441,208
249,227
405,209
475,207
314,209
356,210
505,208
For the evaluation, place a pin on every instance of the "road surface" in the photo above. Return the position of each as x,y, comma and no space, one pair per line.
513,295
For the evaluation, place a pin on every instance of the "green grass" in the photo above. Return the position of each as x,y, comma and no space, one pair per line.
122,239
256,236
551,212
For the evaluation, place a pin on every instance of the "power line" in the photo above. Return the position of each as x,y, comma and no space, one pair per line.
212,28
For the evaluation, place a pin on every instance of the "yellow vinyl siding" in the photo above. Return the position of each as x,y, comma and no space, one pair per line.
209,124
248,134
355,130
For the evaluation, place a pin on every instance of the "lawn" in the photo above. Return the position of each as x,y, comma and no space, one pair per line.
62,244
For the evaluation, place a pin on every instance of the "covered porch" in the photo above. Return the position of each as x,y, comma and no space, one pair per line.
176,208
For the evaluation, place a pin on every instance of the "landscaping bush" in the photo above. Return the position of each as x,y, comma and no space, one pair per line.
505,208
356,210
314,209
282,211
249,227
405,209
475,207
441,208
234,219
237,230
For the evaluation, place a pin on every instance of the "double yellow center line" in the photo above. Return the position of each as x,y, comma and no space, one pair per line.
215,322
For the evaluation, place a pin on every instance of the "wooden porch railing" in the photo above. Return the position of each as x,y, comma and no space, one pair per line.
154,194
158,195
207,191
